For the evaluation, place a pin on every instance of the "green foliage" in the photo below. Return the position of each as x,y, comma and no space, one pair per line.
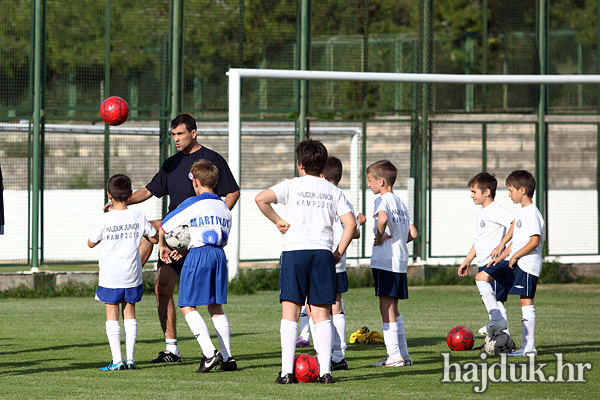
251,280
14,149
79,181
359,277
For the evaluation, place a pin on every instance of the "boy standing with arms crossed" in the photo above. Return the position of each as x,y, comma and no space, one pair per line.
520,274
119,233
389,262
492,224
204,274
307,263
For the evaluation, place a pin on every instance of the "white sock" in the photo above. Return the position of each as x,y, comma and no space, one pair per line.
304,328
221,324
402,337
390,337
528,326
130,327
172,346
311,326
489,299
288,331
322,340
504,315
339,337
113,333
200,331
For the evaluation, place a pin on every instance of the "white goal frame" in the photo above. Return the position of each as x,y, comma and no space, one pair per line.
236,75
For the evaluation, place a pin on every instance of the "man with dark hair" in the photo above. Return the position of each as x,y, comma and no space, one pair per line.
174,179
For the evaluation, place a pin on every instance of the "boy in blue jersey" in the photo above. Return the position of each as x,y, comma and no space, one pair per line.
519,275
389,262
204,274
307,264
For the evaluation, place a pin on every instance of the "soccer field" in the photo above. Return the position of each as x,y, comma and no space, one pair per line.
53,348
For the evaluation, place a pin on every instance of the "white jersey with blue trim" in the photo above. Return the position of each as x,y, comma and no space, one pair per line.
207,216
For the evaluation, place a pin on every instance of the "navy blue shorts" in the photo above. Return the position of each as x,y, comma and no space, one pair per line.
391,284
307,274
203,278
117,296
341,282
524,283
502,273
501,292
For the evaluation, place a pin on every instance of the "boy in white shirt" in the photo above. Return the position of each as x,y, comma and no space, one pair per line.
493,223
203,278
520,274
119,233
389,262
307,268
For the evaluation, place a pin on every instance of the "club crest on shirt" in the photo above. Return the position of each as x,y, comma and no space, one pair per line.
190,176
482,224
519,223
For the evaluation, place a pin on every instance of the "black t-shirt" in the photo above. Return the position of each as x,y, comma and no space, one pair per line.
174,177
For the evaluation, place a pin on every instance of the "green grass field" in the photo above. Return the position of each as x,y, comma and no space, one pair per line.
53,348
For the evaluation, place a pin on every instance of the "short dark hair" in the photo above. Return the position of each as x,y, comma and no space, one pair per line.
333,170
119,187
485,180
383,169
206,172
184,119
312,155
522,179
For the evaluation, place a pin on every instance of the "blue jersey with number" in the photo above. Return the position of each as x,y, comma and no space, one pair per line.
207,216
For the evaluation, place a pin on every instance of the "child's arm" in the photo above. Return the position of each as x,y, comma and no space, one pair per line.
534,241
501,257
264,200
412,233
380,236
498,250
349,230
91,244
154,239
361,221
464,267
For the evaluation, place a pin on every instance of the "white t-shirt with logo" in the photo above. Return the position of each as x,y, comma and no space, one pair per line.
311,205
120,233
392,255
528,222
338,230
492,223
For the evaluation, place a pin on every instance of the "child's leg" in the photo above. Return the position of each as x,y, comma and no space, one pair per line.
304,328
528,323
387,307
290,312
221,324
339,334
488,295
504,314
402,345
130,327
199,329
322,338
113,332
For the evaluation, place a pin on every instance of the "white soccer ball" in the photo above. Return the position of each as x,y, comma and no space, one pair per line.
498,342
178,238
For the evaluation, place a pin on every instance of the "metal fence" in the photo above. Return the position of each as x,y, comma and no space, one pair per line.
59,61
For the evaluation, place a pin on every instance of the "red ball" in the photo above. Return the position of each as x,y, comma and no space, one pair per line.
114,110
460,338
306,368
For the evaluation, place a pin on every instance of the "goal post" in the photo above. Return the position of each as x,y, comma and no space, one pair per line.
237,74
